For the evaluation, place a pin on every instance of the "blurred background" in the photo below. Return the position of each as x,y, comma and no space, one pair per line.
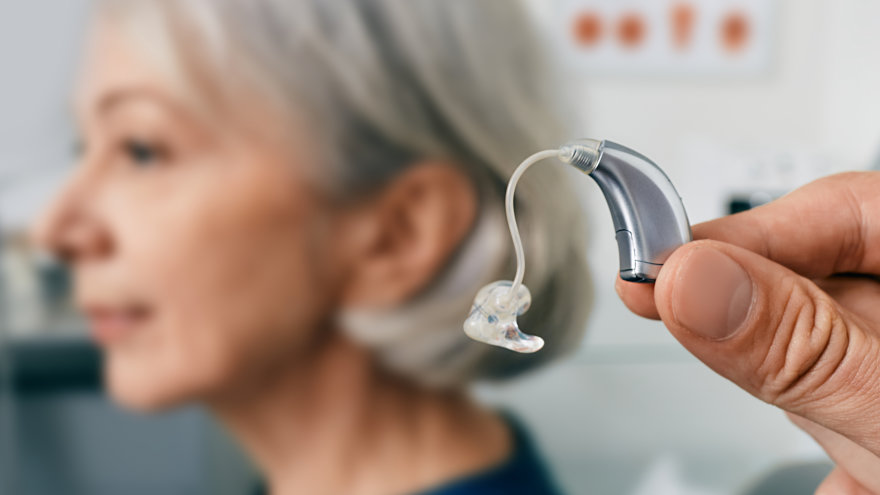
739,101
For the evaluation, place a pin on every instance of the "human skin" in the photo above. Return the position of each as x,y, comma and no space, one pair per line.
783,301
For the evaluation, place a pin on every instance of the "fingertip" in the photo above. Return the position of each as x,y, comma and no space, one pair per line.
704,291
668,276
638,298
645,299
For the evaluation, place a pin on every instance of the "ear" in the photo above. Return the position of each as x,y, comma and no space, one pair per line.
415,224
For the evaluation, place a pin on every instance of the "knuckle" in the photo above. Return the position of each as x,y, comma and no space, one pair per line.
807,350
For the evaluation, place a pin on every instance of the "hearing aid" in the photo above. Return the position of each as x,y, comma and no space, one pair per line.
649,220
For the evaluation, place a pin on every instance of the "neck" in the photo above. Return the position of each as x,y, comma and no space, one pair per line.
336,424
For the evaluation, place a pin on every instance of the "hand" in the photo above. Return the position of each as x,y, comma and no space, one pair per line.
784,300
849,457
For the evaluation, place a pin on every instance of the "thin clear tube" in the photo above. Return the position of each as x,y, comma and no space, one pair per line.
511,215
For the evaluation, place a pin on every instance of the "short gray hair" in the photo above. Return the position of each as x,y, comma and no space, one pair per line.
389,82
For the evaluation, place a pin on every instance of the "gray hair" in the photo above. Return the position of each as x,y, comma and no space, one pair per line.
387,83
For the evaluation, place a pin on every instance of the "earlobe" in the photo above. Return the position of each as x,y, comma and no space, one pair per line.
420,219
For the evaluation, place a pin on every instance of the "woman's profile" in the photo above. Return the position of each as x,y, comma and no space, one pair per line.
283,210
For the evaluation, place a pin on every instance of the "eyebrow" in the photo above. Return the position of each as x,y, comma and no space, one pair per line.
115,98
119,96
106,102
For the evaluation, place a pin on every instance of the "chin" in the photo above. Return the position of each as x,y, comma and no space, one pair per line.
142,388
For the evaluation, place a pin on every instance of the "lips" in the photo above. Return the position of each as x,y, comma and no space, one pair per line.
112,324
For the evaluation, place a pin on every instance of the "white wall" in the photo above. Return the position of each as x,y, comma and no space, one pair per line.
850,64
39,45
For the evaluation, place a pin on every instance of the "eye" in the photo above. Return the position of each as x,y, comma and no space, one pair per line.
142,153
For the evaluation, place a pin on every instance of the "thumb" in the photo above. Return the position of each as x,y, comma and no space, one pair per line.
775,334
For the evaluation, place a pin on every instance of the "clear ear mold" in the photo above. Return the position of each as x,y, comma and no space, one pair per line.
492,319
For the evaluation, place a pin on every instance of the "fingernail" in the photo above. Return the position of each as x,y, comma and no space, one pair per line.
712,294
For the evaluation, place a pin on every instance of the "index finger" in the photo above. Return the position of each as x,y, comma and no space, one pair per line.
821,229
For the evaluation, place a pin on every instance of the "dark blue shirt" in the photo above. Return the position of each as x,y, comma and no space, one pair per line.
523,473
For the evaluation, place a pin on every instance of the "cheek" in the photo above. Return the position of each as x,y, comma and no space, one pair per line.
238,283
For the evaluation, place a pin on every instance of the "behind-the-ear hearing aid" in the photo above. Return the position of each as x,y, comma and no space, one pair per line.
649,221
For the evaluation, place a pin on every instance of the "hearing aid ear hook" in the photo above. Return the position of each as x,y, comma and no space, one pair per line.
649,221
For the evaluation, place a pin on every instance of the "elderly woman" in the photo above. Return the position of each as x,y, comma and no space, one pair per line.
283,210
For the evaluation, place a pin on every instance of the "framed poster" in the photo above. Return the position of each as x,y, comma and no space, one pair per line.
666,37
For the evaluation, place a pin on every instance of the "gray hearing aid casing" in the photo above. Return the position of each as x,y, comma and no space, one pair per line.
647,212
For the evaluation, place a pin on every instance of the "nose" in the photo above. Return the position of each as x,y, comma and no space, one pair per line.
70,228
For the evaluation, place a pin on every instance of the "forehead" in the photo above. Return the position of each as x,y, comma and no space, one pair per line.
115,63
139,52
